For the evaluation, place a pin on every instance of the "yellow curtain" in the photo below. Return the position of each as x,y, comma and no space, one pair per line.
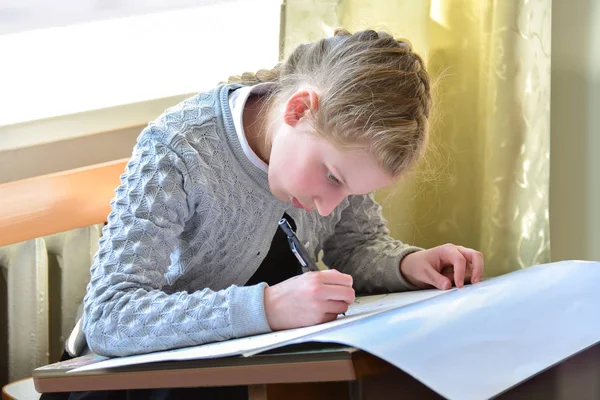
485,181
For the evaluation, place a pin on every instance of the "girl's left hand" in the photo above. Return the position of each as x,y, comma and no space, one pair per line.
442,266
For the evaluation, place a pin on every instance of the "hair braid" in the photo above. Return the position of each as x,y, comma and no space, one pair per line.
374,93
254,78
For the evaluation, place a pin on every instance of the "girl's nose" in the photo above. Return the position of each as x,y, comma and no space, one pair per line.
326,204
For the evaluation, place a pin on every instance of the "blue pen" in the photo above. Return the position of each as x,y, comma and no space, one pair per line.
297,247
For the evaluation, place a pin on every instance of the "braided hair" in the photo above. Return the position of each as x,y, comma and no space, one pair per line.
374,93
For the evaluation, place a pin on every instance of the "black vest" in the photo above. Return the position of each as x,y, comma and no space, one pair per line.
280,263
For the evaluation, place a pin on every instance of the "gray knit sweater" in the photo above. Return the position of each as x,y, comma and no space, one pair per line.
191,222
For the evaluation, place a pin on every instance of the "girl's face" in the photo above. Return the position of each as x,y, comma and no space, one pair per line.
311,173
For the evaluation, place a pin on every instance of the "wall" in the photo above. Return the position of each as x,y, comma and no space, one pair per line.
575,125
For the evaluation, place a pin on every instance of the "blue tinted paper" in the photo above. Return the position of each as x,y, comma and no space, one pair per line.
469,343
479,341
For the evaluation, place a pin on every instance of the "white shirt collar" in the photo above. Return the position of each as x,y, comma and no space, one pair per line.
237,101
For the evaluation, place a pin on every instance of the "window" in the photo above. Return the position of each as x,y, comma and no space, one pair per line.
92,65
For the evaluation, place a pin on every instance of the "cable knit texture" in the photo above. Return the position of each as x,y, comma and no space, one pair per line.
191,222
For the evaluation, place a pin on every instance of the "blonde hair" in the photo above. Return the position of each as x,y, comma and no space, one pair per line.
374,93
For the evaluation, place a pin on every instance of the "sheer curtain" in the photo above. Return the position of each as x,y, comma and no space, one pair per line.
485,180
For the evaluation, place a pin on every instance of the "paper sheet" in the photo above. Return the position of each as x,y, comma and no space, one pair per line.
363,307
470,343
480,341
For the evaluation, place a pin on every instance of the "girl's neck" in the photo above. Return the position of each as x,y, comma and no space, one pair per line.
255,122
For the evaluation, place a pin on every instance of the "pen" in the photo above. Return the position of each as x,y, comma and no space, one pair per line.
297,247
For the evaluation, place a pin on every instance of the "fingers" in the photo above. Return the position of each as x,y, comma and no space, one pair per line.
333,277
475,258
308,299
474,265
436,279
458,261
442,265
344,294
422,270
336,307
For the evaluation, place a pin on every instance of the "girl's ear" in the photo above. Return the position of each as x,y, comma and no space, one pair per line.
299,104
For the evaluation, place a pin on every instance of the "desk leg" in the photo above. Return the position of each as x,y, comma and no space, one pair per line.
355,390
257,392
303,391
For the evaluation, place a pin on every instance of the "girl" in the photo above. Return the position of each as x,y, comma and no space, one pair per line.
192,252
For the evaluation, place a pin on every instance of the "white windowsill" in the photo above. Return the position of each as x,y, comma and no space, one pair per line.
91,122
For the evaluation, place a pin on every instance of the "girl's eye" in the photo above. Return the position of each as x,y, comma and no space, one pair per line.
333,178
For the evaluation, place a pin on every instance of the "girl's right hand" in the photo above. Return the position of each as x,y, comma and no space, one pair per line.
308,299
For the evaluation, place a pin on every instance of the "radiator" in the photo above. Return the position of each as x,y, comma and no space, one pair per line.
42,284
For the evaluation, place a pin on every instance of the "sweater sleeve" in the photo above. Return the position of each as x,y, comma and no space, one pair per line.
361,246
125,310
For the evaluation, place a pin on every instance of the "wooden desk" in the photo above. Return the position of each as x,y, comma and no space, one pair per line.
308,371
335,372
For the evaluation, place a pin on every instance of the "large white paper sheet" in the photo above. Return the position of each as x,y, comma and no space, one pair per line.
480,341
470,343
363,307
